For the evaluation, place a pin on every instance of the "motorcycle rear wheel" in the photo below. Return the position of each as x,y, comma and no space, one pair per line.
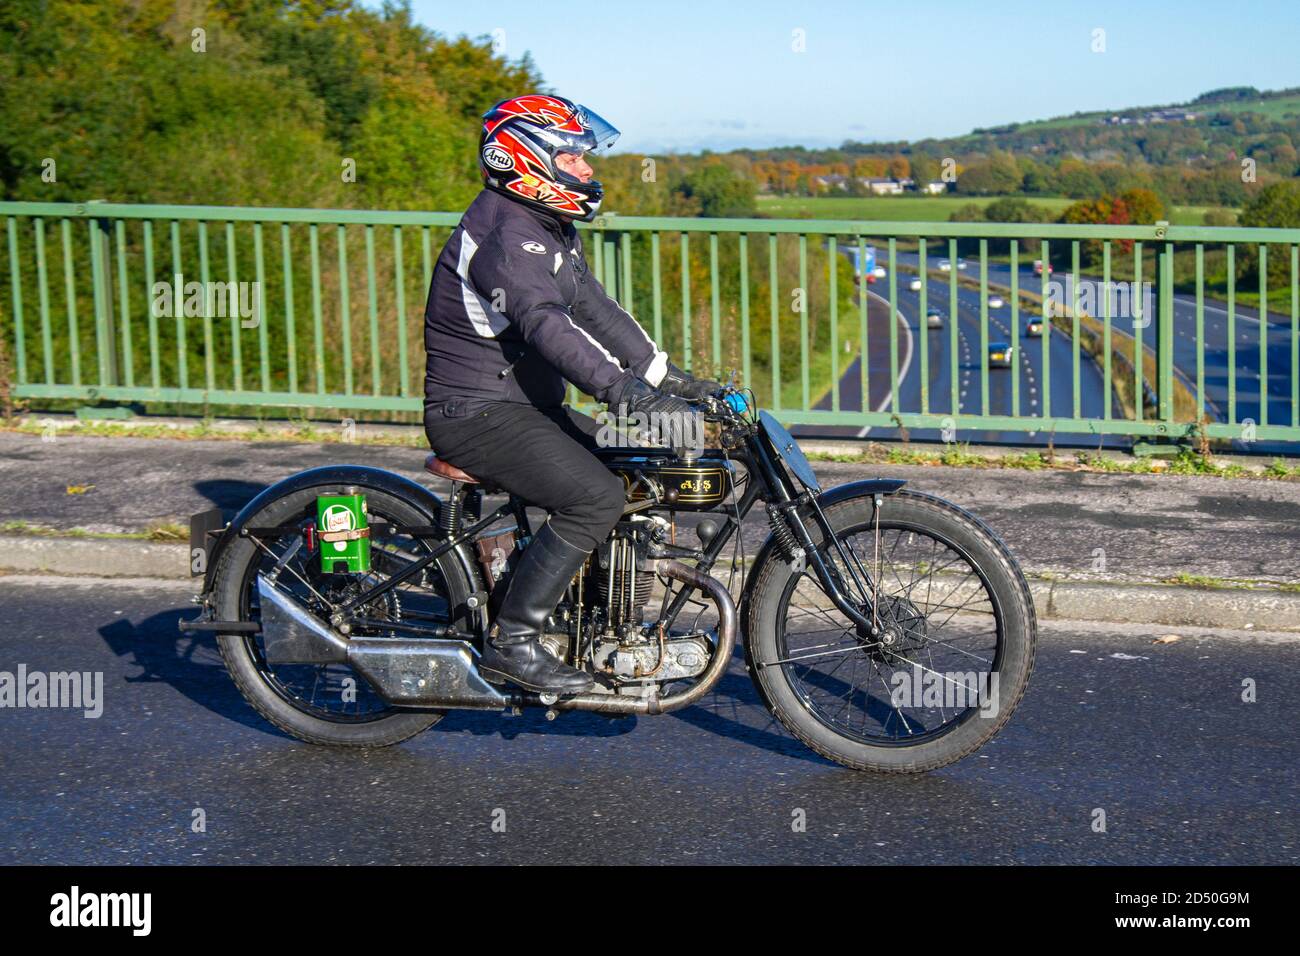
306,701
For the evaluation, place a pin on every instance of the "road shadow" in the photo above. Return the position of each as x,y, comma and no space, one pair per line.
734,710
229,494
192,664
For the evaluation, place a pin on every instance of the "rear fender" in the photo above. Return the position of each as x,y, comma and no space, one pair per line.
361,476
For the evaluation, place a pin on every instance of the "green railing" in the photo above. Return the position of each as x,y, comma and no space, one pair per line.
341,296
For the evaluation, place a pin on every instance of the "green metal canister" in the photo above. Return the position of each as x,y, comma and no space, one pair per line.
344,532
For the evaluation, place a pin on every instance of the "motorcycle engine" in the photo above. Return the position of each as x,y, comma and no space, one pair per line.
608,622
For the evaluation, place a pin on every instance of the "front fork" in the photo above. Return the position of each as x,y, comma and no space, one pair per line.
867,622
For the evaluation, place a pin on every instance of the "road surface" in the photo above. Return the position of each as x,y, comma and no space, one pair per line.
1154,735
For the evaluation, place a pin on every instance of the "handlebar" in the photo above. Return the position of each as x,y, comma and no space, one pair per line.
727,404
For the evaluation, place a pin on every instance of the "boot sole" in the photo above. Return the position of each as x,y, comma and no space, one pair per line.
500,677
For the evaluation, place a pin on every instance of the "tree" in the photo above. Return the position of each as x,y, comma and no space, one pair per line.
1088,212
1143,206
998,174
1275,206
925,168
719,191
1011,209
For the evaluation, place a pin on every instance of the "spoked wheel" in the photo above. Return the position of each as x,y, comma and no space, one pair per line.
945,661
331,703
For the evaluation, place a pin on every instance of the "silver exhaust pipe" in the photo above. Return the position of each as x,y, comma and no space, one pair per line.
293,635
403,671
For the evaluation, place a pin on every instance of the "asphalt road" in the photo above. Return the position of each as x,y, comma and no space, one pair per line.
1157,736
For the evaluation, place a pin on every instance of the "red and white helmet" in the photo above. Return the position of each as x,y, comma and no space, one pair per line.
520,140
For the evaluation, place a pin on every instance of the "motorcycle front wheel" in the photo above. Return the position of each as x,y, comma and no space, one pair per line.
947,658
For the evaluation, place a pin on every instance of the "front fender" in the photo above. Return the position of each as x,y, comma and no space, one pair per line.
865,488
362,476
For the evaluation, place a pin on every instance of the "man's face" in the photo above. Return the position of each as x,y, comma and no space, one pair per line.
575,165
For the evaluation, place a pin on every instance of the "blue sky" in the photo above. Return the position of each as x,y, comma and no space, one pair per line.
682,76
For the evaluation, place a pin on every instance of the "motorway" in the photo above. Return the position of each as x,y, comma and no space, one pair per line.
1029,366
1246,329
1156,736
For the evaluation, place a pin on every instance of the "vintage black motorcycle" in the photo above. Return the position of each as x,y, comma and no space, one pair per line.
888,630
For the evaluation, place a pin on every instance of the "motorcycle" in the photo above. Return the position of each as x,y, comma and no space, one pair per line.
888,630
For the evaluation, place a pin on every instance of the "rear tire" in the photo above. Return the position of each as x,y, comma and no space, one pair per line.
234,587
1012,610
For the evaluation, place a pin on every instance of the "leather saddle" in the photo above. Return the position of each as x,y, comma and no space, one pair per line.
445,469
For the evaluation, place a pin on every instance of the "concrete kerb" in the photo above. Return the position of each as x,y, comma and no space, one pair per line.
1260,608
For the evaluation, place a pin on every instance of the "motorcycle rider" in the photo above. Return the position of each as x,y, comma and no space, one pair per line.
513,311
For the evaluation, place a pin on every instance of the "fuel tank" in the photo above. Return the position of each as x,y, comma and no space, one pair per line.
685,484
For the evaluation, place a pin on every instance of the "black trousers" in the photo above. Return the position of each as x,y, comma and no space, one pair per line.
543,455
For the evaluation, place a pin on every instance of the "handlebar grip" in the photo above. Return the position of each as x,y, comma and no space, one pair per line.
737,402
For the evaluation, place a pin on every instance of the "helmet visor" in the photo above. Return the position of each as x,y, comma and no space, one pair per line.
603,133
591,134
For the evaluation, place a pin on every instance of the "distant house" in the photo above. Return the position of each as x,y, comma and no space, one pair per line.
832,181
1171,115
884,186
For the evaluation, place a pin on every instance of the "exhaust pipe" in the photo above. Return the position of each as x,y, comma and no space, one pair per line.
411,673
292,635
443,673
615,704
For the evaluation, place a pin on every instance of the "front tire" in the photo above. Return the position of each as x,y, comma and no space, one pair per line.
933,564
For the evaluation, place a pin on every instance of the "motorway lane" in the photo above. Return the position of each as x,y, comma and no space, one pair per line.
1157,736
1028,367
1217,361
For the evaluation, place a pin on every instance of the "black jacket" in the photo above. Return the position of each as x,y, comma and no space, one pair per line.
513,311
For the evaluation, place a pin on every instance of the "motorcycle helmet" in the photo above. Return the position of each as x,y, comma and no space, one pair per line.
517,148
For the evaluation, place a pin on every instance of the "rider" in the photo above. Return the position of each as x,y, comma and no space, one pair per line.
513,311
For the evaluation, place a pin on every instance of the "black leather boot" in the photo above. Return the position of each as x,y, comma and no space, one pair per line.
513,650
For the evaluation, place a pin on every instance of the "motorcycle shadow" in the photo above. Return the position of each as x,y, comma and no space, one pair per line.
191,663
229,494
733,710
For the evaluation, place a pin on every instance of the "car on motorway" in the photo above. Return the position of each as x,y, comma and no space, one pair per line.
1034,327
945,265
999,355
961,264
1038,267
915,285
879,272
995,302
933,319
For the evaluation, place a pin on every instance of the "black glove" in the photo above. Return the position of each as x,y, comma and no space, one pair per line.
670,421
637,396
678,382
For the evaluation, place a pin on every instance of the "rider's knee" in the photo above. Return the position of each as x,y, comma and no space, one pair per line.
608,498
